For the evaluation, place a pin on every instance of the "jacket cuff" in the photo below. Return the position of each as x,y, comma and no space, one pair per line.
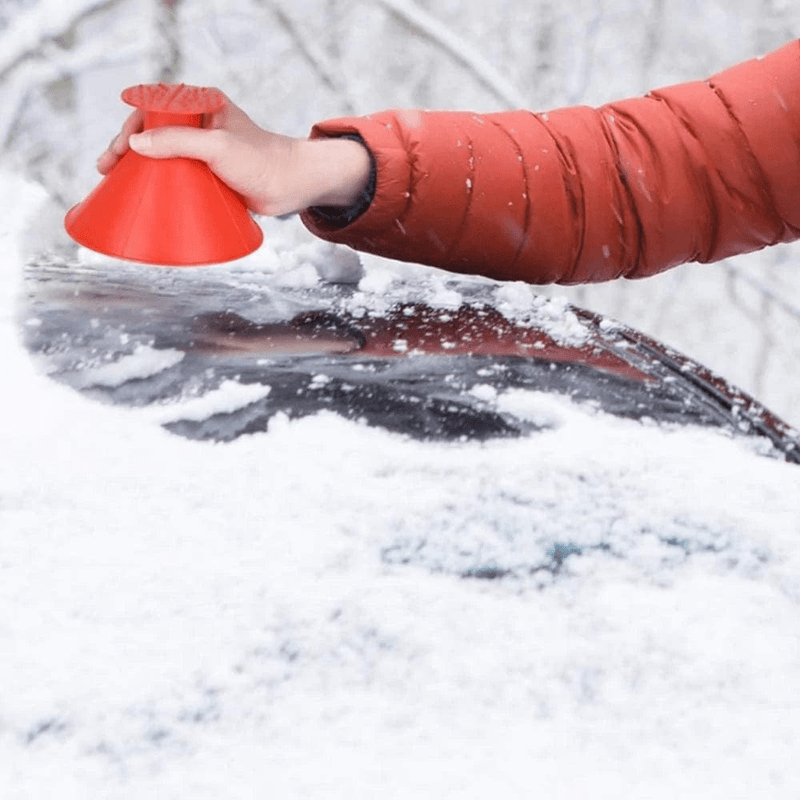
389,185
340,217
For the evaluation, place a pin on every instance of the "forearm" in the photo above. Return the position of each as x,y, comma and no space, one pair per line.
699,172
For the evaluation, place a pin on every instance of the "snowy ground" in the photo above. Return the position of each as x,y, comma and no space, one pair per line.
286,616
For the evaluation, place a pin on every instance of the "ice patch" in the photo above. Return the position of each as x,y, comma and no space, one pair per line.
229,397
143,362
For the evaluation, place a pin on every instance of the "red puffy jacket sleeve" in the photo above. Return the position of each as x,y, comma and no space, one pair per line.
694,172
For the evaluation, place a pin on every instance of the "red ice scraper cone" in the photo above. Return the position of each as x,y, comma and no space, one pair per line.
172,211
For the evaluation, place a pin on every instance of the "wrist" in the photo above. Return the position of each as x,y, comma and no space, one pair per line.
338,169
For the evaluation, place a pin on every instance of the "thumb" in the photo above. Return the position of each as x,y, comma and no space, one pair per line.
177,142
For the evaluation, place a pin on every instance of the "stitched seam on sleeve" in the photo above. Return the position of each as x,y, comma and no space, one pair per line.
764,188
576,202
526,185
414,174
640,255
702,182
459,231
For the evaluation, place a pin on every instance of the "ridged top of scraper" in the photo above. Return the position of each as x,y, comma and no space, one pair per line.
174,98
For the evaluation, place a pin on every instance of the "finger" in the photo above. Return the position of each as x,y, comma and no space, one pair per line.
118,146
180,142
108,160
133,124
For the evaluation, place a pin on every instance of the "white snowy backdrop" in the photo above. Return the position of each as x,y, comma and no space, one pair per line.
286,615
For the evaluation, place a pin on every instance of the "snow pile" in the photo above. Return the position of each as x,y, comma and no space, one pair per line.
519,302
229,397
334,263
294,262
333,611
443,296
542,409
143,362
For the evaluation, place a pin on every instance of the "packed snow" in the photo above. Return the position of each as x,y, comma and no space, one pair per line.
143,362
230,396
603,609
330,610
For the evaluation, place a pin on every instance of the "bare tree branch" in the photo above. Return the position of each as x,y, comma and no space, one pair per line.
459,49
53,63
52,21
313,53
168,40
585,55
765,290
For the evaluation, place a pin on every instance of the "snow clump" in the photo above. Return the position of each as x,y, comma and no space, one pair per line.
518,302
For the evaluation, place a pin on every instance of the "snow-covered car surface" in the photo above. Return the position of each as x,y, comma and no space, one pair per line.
226,355
597,606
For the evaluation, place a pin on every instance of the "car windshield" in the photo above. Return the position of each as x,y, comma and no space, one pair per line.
139,336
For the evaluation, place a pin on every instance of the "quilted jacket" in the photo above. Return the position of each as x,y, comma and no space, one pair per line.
694,172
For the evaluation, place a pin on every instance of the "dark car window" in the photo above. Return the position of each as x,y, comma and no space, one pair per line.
427,372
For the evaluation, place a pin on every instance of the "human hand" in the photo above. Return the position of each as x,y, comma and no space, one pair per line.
274,174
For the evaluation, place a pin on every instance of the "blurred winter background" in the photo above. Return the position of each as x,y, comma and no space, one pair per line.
64,62
299,613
